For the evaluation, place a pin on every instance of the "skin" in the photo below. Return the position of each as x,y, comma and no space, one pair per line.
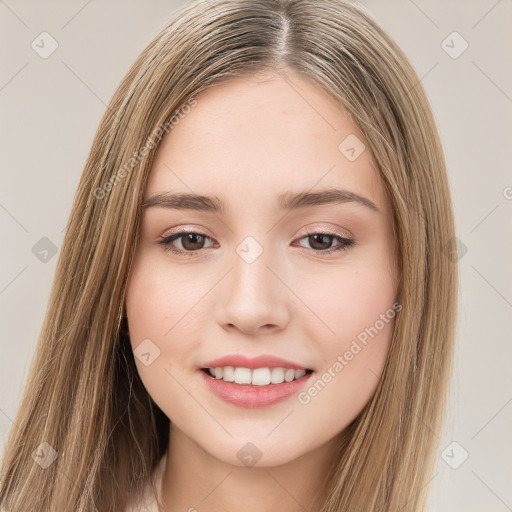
266,137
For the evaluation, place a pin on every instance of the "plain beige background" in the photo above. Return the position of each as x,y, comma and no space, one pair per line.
50,108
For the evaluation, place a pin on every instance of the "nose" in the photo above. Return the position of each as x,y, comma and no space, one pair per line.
252,298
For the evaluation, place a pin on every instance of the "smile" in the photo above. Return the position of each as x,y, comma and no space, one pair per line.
257,376
254,387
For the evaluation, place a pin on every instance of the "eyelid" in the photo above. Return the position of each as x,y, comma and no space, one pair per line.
309,231
189,228
327,231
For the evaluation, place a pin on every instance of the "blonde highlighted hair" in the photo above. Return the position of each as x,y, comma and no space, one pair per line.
84,396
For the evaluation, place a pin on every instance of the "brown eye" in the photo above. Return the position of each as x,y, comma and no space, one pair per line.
191,242
322,242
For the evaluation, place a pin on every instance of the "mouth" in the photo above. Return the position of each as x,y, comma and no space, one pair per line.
265,376
255,387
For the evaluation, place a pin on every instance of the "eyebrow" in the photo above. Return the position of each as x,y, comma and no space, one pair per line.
287,201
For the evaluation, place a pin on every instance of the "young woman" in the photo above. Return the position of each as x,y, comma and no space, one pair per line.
254,303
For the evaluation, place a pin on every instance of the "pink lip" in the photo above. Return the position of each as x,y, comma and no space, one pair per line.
262,361
249,396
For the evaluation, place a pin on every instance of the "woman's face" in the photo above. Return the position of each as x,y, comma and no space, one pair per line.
291,260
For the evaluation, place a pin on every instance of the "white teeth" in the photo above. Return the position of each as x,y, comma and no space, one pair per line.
277,376
256,376
260,377
229,374
243,375
289,375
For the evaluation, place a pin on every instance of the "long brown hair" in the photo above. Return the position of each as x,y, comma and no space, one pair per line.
84,401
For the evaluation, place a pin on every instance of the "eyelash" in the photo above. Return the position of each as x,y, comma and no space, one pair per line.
345,243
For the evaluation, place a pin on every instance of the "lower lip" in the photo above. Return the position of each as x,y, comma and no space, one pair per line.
245,395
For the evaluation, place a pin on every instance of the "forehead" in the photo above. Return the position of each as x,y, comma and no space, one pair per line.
257,138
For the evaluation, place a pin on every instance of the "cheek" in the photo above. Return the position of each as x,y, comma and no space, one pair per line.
163,309
158,302
348,299
356,304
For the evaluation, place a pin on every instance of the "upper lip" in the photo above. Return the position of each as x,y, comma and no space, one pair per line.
261,361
